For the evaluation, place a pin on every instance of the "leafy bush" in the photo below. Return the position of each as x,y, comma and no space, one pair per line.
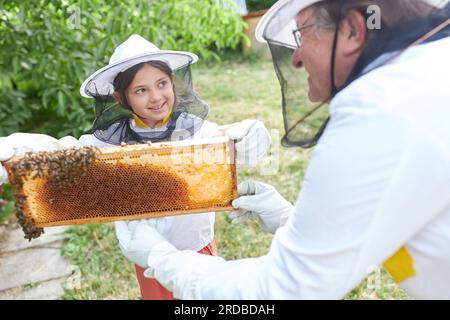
256,5
49,47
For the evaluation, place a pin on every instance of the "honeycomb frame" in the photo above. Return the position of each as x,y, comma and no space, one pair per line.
95,185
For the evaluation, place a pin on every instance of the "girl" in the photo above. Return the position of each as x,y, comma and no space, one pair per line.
141,78
145,94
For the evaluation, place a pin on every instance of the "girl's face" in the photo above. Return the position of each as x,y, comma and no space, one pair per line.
151,95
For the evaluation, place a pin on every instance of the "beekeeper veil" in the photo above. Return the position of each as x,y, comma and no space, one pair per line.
304,122
113,121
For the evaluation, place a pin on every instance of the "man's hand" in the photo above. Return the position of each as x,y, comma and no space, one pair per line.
261,202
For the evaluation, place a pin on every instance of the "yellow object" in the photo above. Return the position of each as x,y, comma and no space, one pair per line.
400,265
141,124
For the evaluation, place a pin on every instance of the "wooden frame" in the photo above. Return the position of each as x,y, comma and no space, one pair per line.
201,180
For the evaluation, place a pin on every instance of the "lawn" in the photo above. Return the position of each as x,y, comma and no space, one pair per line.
236,90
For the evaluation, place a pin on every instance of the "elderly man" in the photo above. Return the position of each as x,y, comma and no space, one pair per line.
377,187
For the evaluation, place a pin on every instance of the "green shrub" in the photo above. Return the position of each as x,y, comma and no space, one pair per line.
49,47
256,5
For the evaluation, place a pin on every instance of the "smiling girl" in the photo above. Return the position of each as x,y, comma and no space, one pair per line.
154,88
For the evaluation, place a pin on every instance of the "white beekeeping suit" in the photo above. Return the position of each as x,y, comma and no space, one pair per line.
375,192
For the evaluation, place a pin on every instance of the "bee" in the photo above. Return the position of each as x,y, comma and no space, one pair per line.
60,169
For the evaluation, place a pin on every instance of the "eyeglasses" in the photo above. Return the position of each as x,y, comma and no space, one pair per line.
298,36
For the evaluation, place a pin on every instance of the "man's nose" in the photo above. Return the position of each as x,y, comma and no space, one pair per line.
296,60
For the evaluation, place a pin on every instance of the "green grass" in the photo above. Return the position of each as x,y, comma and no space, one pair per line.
6,210
235,91
105,273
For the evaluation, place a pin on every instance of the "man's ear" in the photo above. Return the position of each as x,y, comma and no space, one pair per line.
353,33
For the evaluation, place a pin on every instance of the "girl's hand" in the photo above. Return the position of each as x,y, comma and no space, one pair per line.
138,238
6,152
253,140
20,143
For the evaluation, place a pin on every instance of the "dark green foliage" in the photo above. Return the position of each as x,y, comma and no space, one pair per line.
256,5
49,47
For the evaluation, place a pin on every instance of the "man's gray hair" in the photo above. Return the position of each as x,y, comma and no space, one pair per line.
393,12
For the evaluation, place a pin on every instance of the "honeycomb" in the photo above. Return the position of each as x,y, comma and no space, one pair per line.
91,185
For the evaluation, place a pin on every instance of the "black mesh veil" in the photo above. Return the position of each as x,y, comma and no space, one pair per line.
303,121
112,121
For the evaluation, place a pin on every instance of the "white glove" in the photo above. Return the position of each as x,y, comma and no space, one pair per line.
6,152
141,243
254,140
138,237
261,202
20,143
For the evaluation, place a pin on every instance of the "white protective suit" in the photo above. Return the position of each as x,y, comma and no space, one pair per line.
376,190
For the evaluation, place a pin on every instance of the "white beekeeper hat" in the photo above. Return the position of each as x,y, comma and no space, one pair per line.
279,21
133,51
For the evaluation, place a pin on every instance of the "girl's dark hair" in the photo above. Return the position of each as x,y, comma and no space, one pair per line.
124,79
